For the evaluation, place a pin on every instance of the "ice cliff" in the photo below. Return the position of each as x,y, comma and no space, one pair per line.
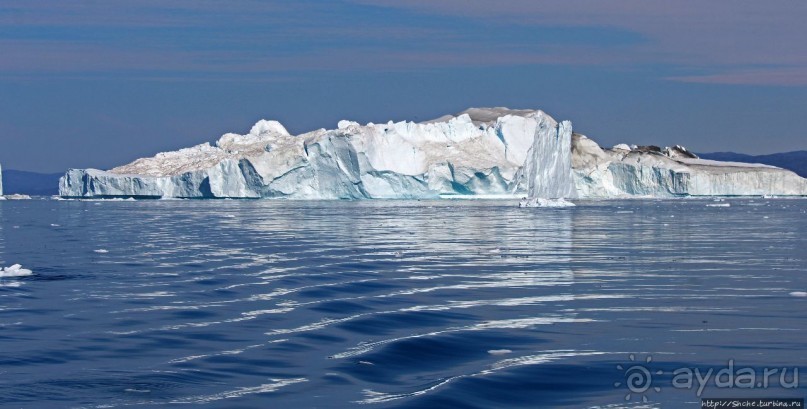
486,152
629,171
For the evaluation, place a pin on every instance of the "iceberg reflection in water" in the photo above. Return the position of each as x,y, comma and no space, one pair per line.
391,303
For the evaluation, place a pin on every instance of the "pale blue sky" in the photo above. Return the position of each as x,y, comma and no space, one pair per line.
100,83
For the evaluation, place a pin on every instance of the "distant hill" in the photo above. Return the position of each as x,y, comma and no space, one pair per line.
795,161
30,183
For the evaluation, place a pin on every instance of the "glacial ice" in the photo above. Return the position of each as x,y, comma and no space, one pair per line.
541,202
15,270
481,152
649,171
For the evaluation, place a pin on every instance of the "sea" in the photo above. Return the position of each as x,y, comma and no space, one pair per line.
402,304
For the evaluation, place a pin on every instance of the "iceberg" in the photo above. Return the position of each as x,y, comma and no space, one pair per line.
480,152
650,171
495,152
15,270
541,202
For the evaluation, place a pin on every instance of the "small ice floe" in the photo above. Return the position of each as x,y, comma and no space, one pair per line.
54,225
101,251
718,205
228,216
398,254
541,202
15,270
17,197
500,351
799,294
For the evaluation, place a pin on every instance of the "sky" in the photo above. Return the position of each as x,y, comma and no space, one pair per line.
95,84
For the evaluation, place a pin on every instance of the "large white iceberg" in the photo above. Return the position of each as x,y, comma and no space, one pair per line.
484,152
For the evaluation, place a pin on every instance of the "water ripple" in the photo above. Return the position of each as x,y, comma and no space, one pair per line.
391,304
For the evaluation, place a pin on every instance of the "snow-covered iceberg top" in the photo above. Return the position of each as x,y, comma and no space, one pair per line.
480,152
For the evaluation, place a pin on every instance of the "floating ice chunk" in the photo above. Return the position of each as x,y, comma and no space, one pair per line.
718,205
798,294
101,251
17,197
15,270
540,202
500,351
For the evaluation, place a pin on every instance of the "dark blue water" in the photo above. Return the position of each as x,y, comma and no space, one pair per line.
255,304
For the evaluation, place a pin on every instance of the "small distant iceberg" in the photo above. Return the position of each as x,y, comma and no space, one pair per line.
15,270
541,202
15,197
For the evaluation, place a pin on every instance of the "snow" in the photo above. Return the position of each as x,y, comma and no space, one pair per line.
478,153
15,270
709,162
